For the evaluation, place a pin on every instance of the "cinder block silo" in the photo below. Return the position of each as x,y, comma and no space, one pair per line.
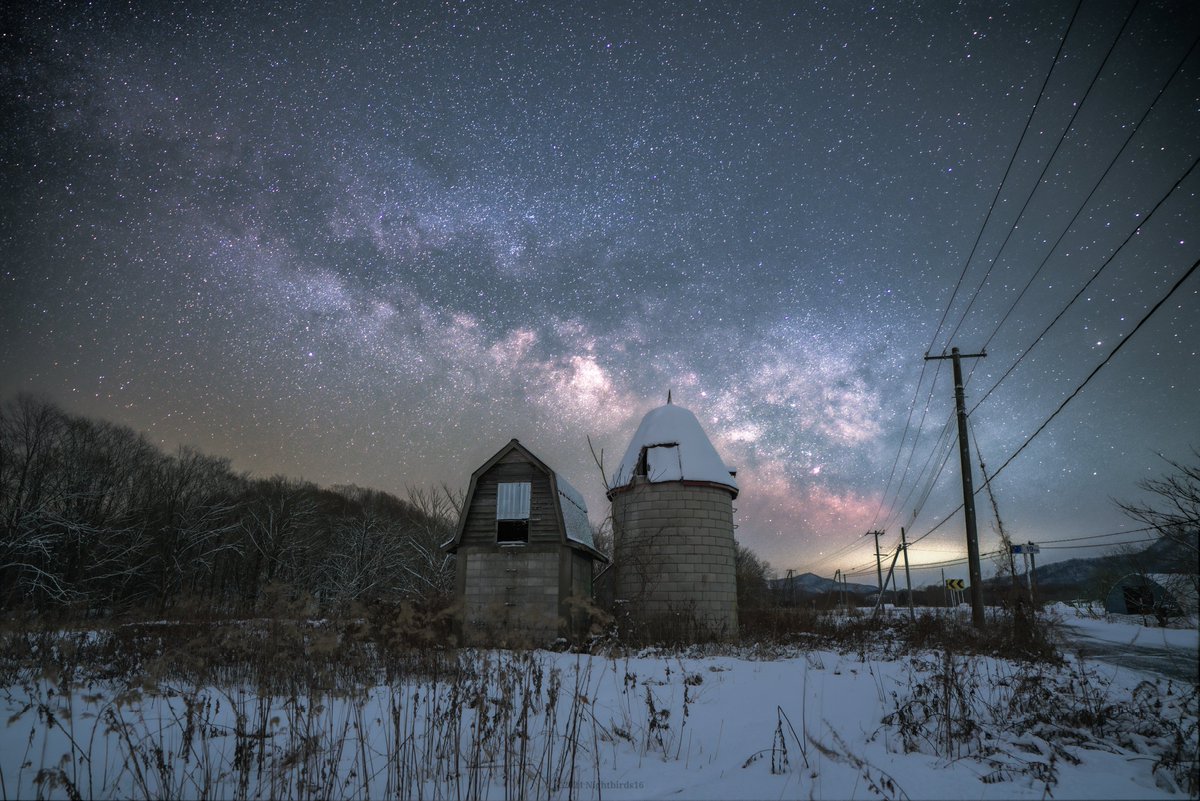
672,510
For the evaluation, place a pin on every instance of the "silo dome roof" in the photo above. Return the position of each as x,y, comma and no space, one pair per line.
670,445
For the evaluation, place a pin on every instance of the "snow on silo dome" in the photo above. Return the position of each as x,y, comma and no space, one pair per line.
670,445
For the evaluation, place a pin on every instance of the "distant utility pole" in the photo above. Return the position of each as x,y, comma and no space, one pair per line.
1033,552
964,453
878,564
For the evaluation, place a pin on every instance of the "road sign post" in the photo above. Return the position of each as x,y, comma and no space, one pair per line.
1027,551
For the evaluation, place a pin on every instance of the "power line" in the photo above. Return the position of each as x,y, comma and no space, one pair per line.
951,562
912,407
1097,545
1012,160
1048,544
947,448
892,510
958,284
1070,397
1062,138
852,544
1133,132
1114,533
1097,369
1141,223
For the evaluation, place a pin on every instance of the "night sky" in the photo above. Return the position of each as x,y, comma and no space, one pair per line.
370,245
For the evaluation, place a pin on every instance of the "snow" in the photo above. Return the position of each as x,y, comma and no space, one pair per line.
678,450
1126,629
753,722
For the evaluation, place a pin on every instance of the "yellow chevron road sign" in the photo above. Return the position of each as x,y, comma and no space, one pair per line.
955,584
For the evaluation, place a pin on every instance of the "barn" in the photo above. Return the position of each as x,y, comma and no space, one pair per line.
672,511
525,553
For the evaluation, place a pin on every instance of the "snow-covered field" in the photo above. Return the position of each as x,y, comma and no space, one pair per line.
767,722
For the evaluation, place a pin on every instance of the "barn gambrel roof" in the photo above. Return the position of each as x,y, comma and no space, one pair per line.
571,509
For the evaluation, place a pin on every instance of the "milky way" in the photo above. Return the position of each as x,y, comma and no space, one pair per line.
366,245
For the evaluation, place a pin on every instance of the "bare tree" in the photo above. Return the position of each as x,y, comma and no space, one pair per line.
277,521
191,510
30,431
753,577
430,570
1174,508
1174,513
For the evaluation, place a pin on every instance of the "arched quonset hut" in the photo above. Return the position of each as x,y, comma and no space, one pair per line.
525,553
1152,594
672,510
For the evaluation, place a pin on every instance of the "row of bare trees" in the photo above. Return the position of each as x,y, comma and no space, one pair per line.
94,519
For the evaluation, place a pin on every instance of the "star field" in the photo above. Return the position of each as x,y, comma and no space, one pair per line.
368,245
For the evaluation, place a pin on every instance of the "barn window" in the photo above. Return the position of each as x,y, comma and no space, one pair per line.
512,513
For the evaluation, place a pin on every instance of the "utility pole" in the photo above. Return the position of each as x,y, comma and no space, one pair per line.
945,592
891,572
878,564
912,614
964,452
1033,573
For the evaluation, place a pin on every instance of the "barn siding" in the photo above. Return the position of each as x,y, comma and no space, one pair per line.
480,527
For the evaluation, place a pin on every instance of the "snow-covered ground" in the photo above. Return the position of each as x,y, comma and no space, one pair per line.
1127,629
749,723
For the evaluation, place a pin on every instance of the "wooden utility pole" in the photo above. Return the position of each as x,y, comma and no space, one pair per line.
964,453
891,572
878,564
912,614
1033,551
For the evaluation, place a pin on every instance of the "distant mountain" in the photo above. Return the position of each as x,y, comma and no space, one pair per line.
1161,556
812,584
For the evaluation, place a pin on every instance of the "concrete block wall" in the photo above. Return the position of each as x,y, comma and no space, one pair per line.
511,592
675,553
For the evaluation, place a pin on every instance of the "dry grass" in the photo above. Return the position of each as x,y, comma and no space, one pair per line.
376,704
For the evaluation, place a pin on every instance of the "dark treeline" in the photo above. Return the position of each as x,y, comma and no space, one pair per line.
95,520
